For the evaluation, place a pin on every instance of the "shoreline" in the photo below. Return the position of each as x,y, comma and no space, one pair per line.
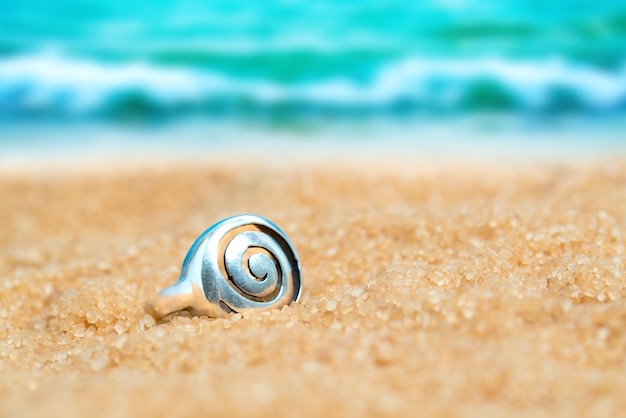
180,142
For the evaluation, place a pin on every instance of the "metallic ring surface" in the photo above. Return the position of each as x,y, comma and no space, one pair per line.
240,264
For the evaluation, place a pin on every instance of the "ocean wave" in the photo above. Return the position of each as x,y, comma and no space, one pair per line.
54,84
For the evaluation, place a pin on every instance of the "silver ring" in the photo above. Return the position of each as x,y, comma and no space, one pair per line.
240,264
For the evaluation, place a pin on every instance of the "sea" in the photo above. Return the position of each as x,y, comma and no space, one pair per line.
290,59
311,63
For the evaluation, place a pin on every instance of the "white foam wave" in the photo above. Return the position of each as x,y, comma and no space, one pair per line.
41,82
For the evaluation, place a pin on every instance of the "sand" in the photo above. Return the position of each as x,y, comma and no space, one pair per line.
434,289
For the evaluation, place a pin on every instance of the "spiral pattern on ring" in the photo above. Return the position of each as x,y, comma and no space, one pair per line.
250,264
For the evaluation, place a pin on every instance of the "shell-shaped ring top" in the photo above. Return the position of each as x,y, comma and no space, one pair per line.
249,263
241,263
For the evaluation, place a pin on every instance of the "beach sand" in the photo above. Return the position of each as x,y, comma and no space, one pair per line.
429,289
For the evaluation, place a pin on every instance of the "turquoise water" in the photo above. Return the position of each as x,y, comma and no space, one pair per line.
70,59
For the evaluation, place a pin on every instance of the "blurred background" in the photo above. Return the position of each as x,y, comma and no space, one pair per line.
403,66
